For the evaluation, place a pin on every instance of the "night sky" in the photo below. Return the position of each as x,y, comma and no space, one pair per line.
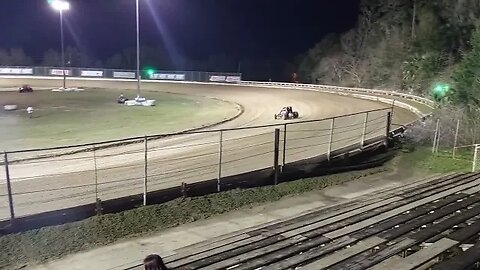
194,29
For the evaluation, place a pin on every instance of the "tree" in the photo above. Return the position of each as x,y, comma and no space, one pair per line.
467,77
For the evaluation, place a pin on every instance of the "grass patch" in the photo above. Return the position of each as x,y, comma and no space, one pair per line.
54,242
443,162
94,115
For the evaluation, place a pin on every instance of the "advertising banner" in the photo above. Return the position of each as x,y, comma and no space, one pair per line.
215,78
21,71
124,75
59,72
168,76
91,73
233,79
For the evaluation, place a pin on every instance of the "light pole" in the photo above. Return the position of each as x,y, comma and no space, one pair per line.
138,48
60,6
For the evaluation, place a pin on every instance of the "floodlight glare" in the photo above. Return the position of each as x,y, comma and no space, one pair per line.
60,5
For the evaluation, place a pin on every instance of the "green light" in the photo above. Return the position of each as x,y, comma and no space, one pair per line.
440,91
150,71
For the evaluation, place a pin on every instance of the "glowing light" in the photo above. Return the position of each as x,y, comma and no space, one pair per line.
59,5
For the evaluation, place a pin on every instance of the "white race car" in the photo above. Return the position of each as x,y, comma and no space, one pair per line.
286,113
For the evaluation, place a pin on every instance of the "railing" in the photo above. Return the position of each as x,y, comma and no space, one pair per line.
418,99
97,172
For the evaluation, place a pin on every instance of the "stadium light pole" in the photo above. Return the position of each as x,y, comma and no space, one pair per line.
61,6
138,47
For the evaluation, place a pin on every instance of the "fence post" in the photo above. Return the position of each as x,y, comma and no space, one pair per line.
145,173
389,126
276,155
475,155
284,144
438,139
220,150
9,187
97,201
362,143
330,141
456,139
435,137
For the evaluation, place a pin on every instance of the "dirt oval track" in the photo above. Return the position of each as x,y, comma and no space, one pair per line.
67,181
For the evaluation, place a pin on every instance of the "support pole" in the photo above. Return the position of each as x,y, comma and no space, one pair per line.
456,139
276,155
284,144
438,139
145,178
364,133
330,141
220,156
435,136
388,128
475,156
9,188
95,172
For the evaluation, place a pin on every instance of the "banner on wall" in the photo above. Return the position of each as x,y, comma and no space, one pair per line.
17,71
215,78
167,76
91,73
124,75
233,79
59,72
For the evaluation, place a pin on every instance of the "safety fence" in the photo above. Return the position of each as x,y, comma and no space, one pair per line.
149,74
40,180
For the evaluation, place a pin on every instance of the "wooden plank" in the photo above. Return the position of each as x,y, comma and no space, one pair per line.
269,231
273,257
365,260
398,210
239,244
289,234
257,238
340,255
385,265
316,252
425,255
463,261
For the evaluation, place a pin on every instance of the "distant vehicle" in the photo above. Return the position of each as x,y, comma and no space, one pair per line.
287,113
25,89
121,99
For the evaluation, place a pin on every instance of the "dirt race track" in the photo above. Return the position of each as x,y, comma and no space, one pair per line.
67,181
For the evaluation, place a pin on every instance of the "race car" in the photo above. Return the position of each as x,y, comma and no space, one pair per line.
286,113
25,89
121,99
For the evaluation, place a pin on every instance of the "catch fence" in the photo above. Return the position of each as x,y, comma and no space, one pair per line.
42,180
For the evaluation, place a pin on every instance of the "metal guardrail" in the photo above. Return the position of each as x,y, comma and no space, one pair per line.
418,99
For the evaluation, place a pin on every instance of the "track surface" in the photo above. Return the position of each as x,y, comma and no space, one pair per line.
66,181
402,228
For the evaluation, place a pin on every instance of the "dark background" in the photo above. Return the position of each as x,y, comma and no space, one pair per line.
261,37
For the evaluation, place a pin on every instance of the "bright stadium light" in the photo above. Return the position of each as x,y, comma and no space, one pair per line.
61,6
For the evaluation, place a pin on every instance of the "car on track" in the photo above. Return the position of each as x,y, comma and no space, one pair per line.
287,113
25,89
121,99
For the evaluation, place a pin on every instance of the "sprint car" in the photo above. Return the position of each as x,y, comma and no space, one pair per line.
25,89
287,113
